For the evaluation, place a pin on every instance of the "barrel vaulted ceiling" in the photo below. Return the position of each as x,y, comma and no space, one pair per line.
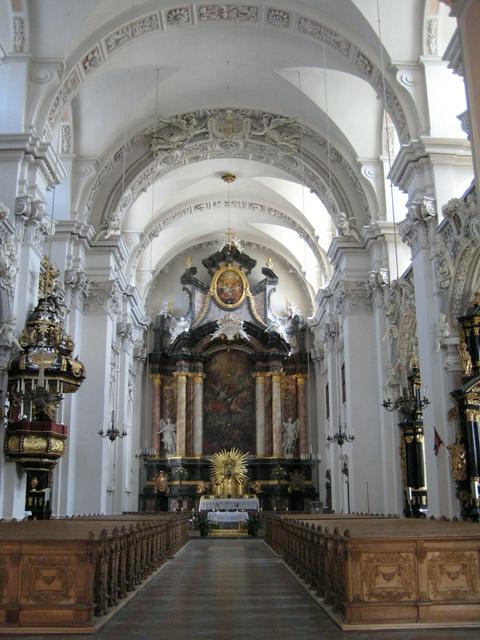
303,84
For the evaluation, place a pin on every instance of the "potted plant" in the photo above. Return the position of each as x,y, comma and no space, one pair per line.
203,524
254,523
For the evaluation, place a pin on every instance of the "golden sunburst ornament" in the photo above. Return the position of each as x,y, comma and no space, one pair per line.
228,471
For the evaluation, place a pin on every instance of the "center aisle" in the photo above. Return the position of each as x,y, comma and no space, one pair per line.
221,590
234,589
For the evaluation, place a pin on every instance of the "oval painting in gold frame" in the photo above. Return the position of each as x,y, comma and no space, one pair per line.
229,287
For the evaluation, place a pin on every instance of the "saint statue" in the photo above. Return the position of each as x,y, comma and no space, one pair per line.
458,459
160,482
289,436
169,436
465,360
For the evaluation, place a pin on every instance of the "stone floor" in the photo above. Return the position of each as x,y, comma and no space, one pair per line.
234,589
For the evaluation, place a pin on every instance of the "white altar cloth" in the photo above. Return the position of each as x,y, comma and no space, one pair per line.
228,504
227,516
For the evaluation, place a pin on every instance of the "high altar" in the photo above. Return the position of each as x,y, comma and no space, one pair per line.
229,375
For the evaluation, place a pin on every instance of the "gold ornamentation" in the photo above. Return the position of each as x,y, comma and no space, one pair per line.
472,415
57,446
269,263
48,276
458,459
228,470
465,360
12,444
229,287
188,262
160,482
229,177
35,443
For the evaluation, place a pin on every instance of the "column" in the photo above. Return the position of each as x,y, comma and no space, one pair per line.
303,443
156,411
181,423
198,413
417,231
260,412
277,414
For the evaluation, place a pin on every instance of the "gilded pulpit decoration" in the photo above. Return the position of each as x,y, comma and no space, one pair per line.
228,471
38,377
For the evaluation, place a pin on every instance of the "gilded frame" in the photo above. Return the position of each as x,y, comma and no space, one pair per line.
215,284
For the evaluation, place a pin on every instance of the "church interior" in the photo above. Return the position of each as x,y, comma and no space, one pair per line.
239,291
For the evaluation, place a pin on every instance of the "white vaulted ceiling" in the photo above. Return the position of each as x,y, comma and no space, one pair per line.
267,58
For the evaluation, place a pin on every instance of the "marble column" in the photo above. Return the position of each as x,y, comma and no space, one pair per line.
303,443
260,412
197,379
181,423
156,411
277,414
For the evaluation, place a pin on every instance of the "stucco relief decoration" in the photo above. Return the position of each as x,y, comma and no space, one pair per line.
92,60
18,34
417,228
431,36
230,327
64,95
178,16
443,264
230,12
8,254
103,297
132,30
66,139
179,140
32,224
363,64
78,286
278,18
459,233
315,29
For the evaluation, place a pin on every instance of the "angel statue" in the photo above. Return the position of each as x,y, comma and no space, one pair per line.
289,436
169,435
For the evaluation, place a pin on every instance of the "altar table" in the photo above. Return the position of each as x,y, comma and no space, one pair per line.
228,504
227,516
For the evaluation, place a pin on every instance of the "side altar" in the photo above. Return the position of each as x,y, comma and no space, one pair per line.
229,374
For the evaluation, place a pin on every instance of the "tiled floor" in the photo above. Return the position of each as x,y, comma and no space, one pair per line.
234,589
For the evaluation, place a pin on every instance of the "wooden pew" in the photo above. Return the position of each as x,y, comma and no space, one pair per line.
374,572
64,573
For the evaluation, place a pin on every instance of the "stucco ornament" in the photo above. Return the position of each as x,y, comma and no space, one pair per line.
231,328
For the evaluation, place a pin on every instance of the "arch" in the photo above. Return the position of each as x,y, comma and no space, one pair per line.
170,216
89,59
305,164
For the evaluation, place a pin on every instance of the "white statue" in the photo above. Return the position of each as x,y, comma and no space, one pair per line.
179,326
289,435
169,435
443,330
